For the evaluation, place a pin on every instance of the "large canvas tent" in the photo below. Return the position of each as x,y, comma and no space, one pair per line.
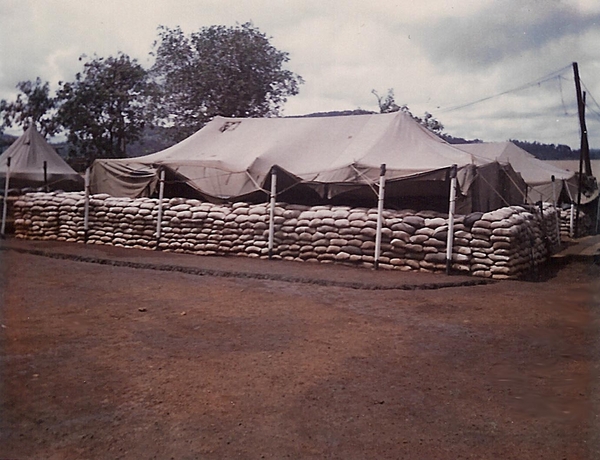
318,160
27,157
537,174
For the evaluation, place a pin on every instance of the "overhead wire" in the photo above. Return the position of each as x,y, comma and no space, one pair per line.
562,98
550,76
589,93
587,105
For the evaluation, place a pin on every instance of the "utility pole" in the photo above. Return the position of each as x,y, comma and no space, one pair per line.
584,153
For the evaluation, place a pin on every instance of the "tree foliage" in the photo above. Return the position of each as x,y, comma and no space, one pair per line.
33,105
104,109
228,71
388,104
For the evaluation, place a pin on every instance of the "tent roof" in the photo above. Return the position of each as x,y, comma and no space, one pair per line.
310,146
233,156
27,156
534,171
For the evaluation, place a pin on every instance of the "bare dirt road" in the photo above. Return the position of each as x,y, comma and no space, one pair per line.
237,358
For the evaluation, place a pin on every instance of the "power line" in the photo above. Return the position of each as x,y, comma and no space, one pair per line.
562,99
588,92
538,81
591,110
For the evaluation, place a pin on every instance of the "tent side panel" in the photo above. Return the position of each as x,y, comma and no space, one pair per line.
121,179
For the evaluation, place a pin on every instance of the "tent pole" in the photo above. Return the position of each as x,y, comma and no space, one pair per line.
45,176
451,209
379,215
597,214
86,206
5,203
272,211
161,194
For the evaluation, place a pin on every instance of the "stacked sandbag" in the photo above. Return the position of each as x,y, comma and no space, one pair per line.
419,242
585,224
565,221
70,217
246,230
197,227
23,217
327,234
37,216
340,234
500,244
122,222
551,226
510,241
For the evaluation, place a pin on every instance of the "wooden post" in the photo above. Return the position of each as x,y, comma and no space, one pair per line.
161,194
5,201
379,215
556,211
272,211
597,214
451,209
572,221
86,206
584,153
585,148
45,176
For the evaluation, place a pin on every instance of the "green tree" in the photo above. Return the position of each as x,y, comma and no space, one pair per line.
104,109
33,105
388,104
228,71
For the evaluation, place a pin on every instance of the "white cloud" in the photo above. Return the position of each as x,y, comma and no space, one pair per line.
435,54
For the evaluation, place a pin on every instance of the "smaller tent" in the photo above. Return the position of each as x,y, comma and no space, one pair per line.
537,174
27,157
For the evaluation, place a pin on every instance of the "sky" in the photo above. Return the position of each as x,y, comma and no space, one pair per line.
458,60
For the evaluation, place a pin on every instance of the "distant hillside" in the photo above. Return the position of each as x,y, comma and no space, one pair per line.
547,151
458,140
594,154
553,152
153,140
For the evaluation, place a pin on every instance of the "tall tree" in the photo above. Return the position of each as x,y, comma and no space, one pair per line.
388,104
229,71
33,105
104,109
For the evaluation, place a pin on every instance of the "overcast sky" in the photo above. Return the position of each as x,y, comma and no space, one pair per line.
436,54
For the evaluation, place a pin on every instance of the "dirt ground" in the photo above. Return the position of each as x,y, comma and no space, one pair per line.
109,361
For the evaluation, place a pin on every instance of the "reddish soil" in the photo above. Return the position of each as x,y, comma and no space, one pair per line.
105,362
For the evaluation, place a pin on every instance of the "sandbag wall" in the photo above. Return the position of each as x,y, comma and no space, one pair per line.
585,222
501,244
